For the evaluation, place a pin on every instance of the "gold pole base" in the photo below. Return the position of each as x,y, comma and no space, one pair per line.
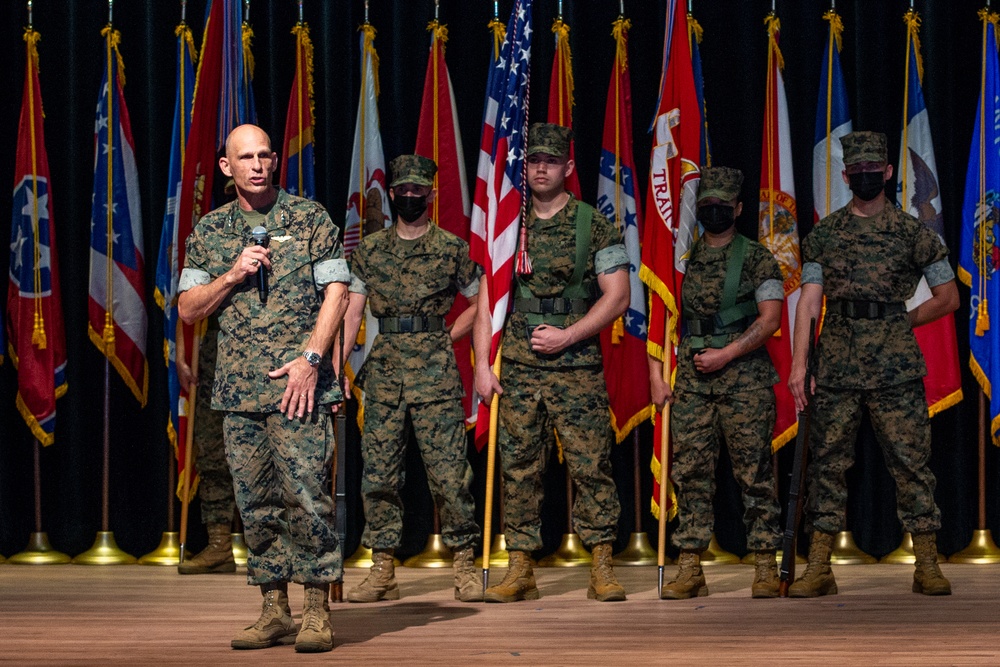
104,552
435,554
498,554
168,553
903,555
638,552
239,549
39,552
363,558
751,558
571,553
846,552
981,551
716,555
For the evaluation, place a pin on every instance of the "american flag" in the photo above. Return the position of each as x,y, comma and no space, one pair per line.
499,198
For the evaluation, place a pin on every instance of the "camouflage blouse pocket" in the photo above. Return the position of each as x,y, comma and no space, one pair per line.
421,291
288,258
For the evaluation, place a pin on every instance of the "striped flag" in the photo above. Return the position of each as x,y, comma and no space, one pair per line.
500,187
34,303
833,120
623,344
561,95
438,138
778,228
979,261
168,265
299,173
917,192
117,309
674,174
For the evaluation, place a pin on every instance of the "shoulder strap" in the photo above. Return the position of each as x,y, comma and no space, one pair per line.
584,220
734,270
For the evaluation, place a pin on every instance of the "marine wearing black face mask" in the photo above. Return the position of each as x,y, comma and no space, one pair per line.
410,208
867,185
716,218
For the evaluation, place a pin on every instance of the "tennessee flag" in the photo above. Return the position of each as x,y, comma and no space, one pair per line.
561,95
670,203
438,138
833,121
623,344
778,227
978,262
299,173
34,304
919,195
117,304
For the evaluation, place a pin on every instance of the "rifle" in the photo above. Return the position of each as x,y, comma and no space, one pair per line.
339,468
795,490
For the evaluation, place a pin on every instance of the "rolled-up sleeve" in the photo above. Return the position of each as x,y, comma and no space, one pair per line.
770,290
331,271
939,273
812,273
192,278
611,257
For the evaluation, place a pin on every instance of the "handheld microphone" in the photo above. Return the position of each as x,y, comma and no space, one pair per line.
261,238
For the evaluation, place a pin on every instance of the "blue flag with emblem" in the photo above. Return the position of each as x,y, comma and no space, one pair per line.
979,262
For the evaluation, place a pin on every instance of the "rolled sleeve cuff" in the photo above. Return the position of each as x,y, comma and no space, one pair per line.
938,273
470,290
331,271
812,273
770,290
357,286
610,257
192,278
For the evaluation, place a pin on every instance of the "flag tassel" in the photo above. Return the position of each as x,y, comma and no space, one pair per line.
982,318
38,337
522,265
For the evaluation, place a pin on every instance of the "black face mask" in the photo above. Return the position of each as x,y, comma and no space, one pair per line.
410,208
716,218
867,185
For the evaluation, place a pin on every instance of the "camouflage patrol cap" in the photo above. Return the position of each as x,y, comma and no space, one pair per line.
721,182
412,169
864,147
550,139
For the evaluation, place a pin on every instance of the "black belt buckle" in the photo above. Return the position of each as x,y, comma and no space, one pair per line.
405,324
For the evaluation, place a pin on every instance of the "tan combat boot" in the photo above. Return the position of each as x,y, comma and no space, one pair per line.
275,622
216,557
380,584
468,582
927,578
316,634
690,580
818,578
604,587
519,584
765,577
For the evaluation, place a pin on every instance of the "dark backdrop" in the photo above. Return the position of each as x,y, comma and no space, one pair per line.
734,53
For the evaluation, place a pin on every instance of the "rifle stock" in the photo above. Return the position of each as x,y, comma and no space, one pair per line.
795,489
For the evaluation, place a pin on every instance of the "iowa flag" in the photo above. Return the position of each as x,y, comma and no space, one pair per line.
438,138
623,344
117,305
670,203
34,305
561,95
833,121
298,175
778,229
979,261
917,192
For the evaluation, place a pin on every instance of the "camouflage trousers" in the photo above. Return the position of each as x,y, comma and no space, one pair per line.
281,471
573,402
903,430
215,482
439,428
745,420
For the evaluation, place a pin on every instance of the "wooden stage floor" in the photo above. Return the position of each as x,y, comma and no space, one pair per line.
139,615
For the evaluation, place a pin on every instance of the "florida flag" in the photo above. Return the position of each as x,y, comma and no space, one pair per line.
833,121
117,308
34,305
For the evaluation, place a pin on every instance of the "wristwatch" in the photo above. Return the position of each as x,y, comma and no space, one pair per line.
313,358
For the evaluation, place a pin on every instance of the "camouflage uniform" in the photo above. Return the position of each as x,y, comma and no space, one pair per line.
564,392
414,374
281,468
875,362
215,482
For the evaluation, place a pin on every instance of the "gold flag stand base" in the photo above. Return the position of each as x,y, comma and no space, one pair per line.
846,552
716,555
903,555
751,558
363,558
168,553
104,552
39,552
435,554
571,553
239,549
638,552
981,551
498,554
